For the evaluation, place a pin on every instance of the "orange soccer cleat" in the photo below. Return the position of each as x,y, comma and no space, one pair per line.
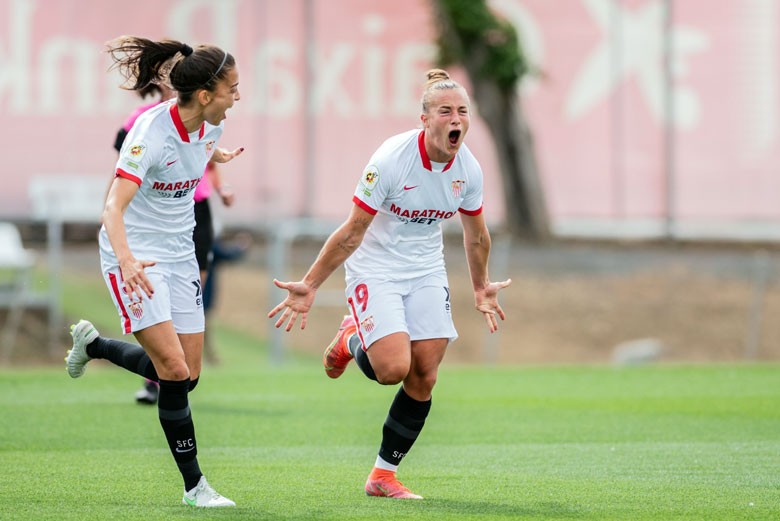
383,483
337,355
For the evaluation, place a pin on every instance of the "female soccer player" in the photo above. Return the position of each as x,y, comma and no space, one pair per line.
146,248
400,320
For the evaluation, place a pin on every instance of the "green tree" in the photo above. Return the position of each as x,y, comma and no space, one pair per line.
471,35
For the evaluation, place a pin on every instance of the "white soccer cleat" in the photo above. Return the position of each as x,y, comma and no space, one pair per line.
83,333
203,495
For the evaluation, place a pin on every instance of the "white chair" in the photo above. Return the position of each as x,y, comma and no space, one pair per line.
16,264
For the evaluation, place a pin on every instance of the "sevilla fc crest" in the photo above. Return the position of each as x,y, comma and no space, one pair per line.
457,187
137,309
368,324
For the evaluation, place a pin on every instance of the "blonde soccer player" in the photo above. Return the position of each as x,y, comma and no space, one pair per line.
400,320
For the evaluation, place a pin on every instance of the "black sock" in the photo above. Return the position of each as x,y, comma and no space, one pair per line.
355,347
402,426
124,354
176,420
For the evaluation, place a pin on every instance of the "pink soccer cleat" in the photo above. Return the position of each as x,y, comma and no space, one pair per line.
383,483
337,355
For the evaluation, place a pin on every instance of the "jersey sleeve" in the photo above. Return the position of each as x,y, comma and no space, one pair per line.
373,187
137,157
472,200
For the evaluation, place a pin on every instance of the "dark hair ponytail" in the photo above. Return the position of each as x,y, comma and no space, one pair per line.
143,62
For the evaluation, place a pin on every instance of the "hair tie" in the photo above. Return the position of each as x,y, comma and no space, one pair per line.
186,50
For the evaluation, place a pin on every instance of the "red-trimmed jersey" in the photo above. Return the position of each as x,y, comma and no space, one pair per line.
410,196
167,163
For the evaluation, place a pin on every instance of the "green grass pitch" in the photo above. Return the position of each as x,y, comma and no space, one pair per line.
530,443
584,443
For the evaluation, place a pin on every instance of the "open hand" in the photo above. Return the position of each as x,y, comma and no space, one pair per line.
135,280
487,303
300,297
222,155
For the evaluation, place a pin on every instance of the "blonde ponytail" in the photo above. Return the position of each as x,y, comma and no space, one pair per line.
437,79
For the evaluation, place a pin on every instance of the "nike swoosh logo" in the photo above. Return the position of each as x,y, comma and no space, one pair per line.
169,163
190,502
410,187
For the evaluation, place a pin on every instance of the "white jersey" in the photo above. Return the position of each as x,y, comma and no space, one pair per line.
167,163
410,196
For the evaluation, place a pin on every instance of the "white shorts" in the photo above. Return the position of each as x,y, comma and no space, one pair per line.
178,296
420,307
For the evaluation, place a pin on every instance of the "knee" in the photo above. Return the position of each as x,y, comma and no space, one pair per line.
427,382
420,386
174,370
180,374
391,375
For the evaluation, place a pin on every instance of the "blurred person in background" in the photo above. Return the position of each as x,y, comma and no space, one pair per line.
146,247
397,290
223,251
204,237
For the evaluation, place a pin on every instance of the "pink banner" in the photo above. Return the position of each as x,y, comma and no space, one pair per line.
614,146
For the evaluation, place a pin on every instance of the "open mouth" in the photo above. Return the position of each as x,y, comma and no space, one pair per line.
454,136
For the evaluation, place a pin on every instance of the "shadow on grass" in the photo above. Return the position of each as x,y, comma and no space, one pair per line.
383,508
542,510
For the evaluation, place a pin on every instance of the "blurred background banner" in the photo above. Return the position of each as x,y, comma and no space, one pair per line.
652,118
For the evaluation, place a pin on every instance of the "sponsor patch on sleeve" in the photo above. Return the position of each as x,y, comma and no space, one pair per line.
369,179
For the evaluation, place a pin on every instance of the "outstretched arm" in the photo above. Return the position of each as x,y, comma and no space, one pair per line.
476,240
339,246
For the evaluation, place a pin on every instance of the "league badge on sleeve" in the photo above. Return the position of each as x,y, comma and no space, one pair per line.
369,179
136,151
132,156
